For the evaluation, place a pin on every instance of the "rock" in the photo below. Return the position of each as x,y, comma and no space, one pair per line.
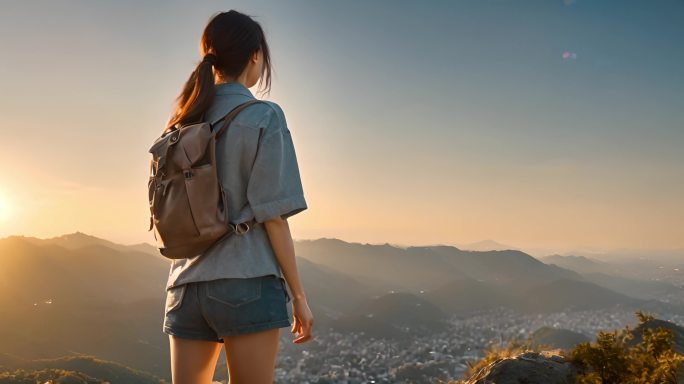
546,367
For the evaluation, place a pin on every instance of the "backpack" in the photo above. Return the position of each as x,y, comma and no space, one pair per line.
188,206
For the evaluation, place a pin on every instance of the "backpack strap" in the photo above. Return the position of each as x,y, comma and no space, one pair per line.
229,117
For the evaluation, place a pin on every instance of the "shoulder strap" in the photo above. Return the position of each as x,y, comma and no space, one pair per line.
229,117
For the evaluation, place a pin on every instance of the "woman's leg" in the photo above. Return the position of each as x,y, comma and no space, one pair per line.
193,361
251,356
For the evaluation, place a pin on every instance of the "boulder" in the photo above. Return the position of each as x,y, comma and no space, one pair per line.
546,367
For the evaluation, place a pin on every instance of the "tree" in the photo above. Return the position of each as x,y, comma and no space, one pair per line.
611,361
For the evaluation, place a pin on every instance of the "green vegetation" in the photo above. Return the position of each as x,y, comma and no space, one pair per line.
47,376
81,369
613,360
643,355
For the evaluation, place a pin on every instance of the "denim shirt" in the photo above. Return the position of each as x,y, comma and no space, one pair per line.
257,168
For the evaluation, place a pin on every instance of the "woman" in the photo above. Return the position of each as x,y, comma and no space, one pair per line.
234,293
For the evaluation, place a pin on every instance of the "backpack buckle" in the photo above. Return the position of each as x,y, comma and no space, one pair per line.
240,228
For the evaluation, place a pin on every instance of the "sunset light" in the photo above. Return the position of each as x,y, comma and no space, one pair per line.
5,207
348,191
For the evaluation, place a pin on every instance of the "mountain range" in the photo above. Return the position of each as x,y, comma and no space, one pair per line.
78,294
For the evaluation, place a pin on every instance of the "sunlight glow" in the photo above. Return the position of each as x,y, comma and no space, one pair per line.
5,208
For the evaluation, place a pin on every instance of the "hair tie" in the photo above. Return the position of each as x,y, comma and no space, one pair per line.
210,58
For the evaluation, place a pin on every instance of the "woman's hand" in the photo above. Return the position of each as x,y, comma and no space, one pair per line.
303,320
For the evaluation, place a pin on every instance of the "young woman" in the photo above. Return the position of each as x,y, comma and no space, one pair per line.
235,292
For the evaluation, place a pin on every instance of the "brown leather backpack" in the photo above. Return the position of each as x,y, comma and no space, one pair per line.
188,207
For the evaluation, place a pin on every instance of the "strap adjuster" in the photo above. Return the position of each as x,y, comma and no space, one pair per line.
240,228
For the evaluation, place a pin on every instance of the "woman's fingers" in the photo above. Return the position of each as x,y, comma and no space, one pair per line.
297,325
305,333
303,321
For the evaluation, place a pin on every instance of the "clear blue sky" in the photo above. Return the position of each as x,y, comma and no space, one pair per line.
555,124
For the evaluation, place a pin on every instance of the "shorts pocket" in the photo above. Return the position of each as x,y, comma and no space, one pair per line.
281,285
174,297
234,292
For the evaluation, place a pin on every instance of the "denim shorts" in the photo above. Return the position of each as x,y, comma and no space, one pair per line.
210,309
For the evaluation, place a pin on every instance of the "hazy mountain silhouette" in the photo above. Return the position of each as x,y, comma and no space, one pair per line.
33,272
425,268
615,277
486,245
77,240
464,295
393,315
382,267
80,294
641,289
565,294
580,264
329,292
89,365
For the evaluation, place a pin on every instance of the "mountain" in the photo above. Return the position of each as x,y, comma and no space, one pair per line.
81,294
330,292
146,248
464,295
556,338
617,277
580,264
382,267
35,272
393,315
486,245
567,294
460,281
77,294
419,268
641,289
90,366
78,240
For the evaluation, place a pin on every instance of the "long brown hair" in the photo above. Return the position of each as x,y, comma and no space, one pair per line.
232,37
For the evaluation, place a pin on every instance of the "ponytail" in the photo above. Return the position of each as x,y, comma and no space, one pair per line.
197,95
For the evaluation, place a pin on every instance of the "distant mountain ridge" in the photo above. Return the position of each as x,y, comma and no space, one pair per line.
88,365
79,239
106,299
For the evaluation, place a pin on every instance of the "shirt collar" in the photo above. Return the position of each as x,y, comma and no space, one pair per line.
233,88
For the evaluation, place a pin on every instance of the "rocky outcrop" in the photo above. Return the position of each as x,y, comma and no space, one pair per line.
546,367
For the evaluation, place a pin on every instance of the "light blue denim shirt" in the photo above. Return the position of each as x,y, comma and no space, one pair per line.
258,170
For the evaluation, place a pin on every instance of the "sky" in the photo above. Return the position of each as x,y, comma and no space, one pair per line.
555,125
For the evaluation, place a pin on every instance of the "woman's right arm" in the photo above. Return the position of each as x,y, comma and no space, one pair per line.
280,237
275,193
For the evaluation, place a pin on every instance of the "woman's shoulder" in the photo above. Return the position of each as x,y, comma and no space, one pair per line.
271,116
265,114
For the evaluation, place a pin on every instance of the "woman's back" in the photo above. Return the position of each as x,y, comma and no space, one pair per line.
259,174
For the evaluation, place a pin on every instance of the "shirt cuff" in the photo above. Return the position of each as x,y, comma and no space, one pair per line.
284,208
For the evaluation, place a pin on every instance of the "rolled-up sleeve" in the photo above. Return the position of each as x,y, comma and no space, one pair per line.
275,188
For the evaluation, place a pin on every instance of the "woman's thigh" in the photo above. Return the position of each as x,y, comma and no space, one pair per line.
193,361
251,357
247,315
